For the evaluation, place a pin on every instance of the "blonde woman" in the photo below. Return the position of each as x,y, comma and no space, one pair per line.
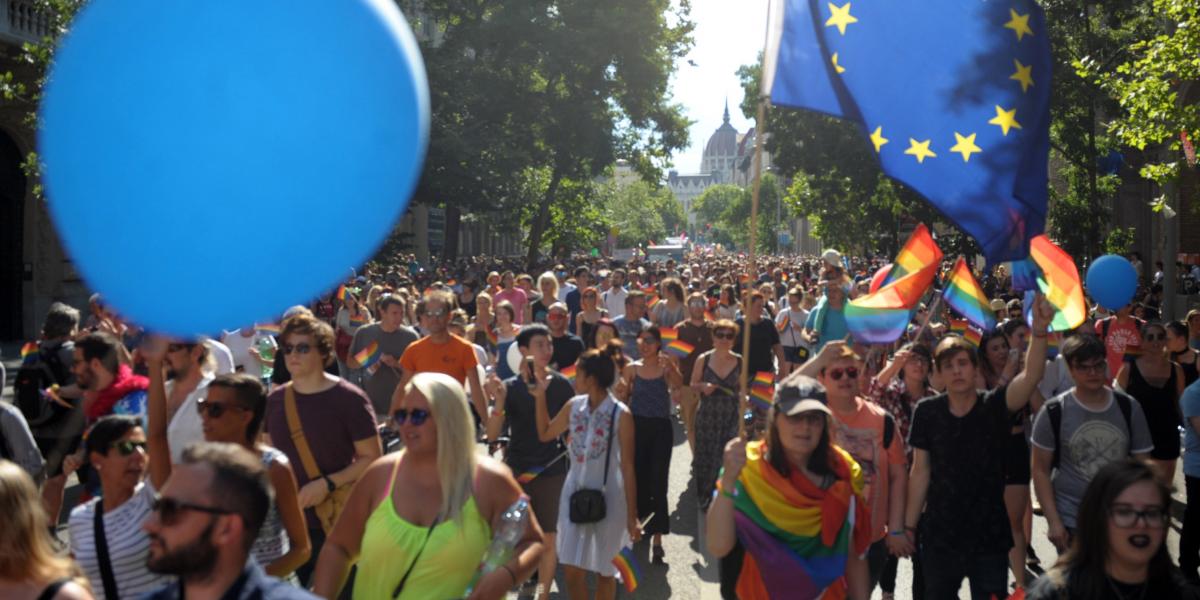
536,312
479,332
29,567
421,519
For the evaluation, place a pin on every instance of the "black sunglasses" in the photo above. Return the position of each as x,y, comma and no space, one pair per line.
836,374
724,335
418,416
302,348
214,410
168,509
128,447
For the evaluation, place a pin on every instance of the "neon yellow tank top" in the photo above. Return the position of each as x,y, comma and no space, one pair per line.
444,568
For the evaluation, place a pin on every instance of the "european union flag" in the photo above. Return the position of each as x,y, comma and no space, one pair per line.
953,94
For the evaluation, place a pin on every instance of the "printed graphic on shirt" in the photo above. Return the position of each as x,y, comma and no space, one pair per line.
863,445
1095,444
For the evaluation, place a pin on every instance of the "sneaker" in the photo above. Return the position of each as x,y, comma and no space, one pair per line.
658,555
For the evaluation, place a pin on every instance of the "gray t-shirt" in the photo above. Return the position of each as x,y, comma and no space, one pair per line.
380,385
1089,440
629,330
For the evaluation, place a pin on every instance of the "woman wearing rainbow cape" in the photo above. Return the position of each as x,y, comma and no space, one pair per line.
791,506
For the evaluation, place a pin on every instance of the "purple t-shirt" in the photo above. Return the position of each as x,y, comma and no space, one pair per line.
332,421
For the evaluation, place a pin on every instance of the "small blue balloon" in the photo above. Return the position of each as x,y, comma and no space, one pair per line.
1112,281
210,163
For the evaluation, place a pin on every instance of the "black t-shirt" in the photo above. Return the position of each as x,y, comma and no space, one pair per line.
1174,587
566,350
763,338
964,508
525,451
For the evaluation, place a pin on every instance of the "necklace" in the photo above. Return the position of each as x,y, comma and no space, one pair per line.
1117,590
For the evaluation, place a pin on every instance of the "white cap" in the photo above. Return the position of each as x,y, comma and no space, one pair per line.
833,257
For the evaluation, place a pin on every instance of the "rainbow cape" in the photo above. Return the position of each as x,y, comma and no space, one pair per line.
669,334
628,568
369,355
680,349
882,316
797,540
568,372
29,349
964,295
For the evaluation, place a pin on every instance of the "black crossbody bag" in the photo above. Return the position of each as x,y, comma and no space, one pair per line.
588,505
106,572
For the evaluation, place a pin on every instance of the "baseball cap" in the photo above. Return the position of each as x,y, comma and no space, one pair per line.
998,304
833,257
801,394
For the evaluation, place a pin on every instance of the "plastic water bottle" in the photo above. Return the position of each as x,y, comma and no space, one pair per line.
266,349
511,529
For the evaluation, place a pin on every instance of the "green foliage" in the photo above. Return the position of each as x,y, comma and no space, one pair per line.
643,212
727,208
1120,240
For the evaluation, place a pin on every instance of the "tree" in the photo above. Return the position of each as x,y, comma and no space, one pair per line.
642,212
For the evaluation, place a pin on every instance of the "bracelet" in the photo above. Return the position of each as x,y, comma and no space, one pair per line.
510,573
720,489
898,532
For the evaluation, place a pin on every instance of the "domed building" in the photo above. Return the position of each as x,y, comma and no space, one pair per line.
720,156
727,158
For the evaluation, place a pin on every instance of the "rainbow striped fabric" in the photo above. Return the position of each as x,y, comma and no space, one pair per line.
784,323
28,350
268,328
764,378
493,337
628,568
762,396
652,300
369,355
958,326
359,319
797,539
341,294
568,372
918,252
882,316
964,295
532,473
973,336
680,349
669,334
1059,282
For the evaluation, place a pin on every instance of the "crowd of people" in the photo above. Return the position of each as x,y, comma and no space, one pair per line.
464,430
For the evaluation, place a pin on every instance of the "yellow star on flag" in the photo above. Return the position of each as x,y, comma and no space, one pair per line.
919,149
966,146
841,17
836,67
878,139
1019,24
1024,75
1005,119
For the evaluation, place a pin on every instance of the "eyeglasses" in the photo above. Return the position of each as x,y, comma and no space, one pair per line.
301,348
214,410
1092,367
1154,337
697,304
850,372
1124,516
646,341
418,416
724,335
437,314
128,447
168,509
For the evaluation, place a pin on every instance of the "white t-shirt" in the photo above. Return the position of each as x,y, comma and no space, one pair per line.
239,347
222,355
790,336
186,427
128,545
614,301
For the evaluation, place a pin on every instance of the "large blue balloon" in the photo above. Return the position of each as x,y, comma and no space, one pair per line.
212,162
1112,281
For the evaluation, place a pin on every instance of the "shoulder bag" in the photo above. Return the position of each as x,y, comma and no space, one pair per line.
588,505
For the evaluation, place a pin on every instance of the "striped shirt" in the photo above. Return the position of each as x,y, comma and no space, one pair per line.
128,545
272,541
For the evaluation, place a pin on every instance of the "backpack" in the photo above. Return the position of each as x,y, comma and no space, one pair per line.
1054,410
38,373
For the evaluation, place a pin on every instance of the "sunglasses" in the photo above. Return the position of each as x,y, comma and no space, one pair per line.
127,447
214,410
437,314
850,372
557,316
301,348
1154,337
416,416
169,509
724,336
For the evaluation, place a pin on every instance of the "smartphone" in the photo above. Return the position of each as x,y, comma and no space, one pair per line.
529,372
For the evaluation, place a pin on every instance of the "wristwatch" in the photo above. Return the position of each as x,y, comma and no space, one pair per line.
329,483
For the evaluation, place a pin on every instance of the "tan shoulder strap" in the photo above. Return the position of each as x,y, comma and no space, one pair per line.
298,439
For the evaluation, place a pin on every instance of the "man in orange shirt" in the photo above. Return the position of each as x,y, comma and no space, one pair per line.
441,352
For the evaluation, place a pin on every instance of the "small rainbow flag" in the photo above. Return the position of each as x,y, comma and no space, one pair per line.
341,294
708,316
958,326
359,319
493,337
669,334
762,395
1059,283
973,336
627,568
783,323
369,355
652,300
568,372
1132,352
964,295
764,378
680,349
268,328
533,472
29,349
451,282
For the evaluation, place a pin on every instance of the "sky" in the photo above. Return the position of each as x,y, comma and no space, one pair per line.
728,34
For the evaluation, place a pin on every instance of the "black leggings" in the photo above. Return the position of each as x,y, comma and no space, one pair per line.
653,440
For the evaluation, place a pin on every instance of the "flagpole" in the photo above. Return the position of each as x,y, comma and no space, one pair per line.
752,267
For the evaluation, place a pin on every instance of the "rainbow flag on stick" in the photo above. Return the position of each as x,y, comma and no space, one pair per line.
883,316
918,252
680,349
1059,283
761,396
651,300
763,378
341,294
973,336
568,372
958,326
964,295
28,350
369,355
669,334
533,472
628,568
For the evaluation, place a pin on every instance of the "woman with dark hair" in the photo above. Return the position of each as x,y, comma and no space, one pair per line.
998,363
604,332
601,451
671,310
1157,384
1119,551
1181,354
727,303
716,377
794,495
589,317
232,411
651,382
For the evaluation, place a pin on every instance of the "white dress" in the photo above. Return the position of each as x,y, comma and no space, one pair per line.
593,546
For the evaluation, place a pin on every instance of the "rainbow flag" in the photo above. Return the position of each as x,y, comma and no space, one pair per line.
708,316
1132,352
451,282
1059,283
669,334
493,337
368,356
628,568
268,328
531,474
28,350
651,300
341,294
784,323
1053,342
568,372
798,540
958,326
964,295
680,349
763,378
359,319
973,336
918,252
762,395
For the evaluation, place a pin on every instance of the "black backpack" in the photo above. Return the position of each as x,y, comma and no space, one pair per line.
38,373
1054,410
